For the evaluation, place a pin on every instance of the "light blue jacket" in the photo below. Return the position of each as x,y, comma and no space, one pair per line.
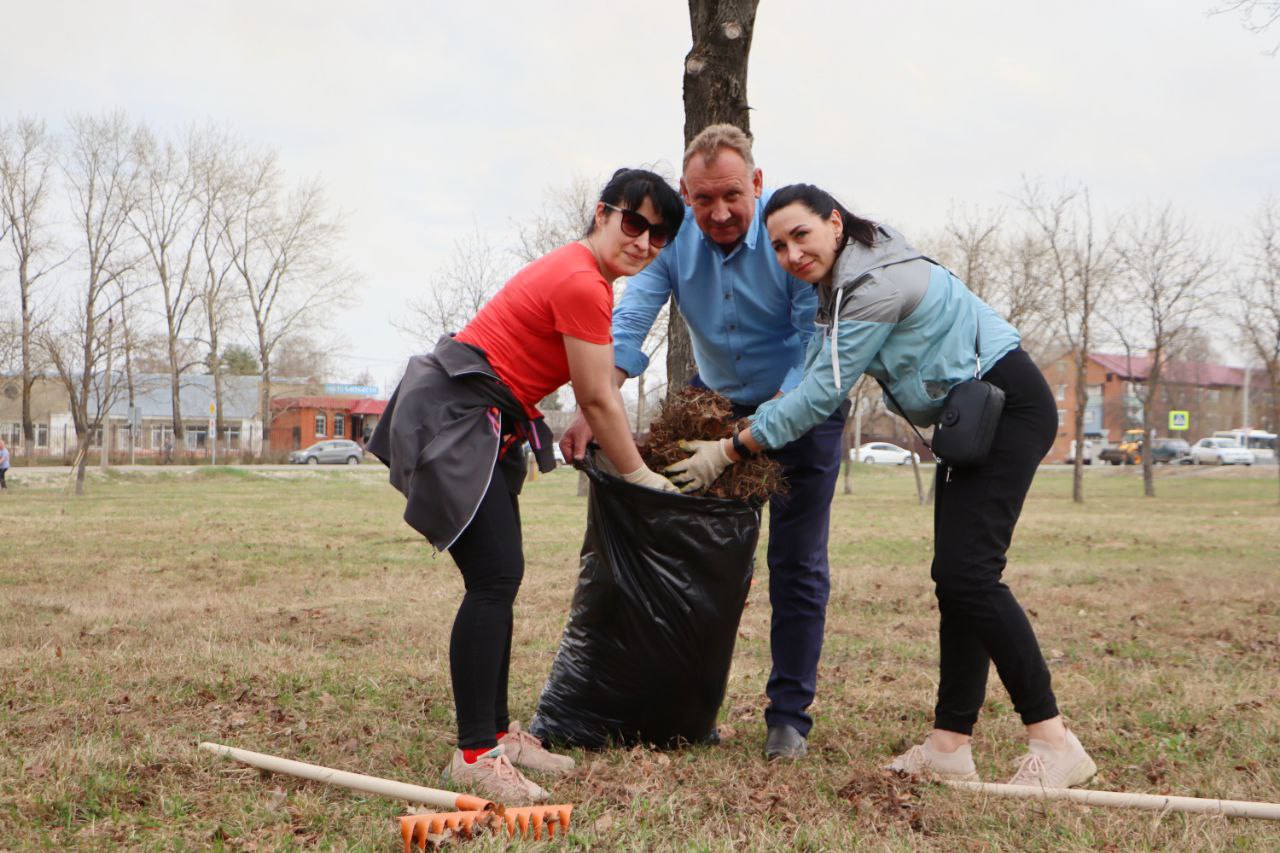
895,314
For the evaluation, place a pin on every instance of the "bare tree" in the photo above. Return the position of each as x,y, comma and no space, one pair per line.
27,158
280,247
1258,312
1162,288
1255,15
167,220
715,91
565,215
302,356
214,186
1080,263
865,395
1007,271
474,272
102,181
652,346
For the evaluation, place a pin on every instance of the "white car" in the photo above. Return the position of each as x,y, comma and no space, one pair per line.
880,453
1220,451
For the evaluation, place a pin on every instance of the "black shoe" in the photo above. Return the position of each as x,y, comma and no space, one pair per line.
784,742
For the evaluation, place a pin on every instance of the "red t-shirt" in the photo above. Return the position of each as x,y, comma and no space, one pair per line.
520,328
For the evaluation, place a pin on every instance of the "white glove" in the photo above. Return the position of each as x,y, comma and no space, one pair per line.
650,479
702,468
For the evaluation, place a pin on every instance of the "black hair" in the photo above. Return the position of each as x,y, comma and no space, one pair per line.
630,187
821,203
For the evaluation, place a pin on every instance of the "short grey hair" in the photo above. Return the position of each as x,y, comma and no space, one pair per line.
712,138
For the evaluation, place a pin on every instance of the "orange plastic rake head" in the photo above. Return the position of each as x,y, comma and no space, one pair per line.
525,821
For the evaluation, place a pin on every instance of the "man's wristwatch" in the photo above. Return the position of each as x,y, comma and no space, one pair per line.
741,449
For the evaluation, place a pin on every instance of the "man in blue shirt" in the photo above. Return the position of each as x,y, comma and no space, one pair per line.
749,323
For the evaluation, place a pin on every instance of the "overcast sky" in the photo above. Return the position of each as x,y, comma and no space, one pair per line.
426,120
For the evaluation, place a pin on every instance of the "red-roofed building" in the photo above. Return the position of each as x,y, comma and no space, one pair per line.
1213,394
298,422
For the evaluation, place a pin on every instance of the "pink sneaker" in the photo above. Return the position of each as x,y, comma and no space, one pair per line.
493,777
527,751
928,763
1045,767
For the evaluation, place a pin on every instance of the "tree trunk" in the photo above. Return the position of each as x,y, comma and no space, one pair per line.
640,403
179,432
1149,429
851,439
264,403
715,91
1077,425
28,426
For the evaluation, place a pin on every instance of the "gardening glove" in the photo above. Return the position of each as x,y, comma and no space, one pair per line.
702,468
650,479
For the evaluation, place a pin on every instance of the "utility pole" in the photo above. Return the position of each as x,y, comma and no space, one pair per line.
104,401
1244,421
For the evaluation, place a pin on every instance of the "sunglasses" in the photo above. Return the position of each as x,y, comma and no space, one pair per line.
634,224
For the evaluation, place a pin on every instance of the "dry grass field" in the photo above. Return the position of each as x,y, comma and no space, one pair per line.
298,615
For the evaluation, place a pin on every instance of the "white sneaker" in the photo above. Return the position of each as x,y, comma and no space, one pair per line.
527,751
928,763
1045,767
493,776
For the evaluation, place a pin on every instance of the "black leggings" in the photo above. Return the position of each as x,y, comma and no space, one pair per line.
975,511
490,555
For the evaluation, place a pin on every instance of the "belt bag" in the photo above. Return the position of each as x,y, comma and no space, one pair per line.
970,413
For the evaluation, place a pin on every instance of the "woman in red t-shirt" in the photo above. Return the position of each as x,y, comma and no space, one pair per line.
549,324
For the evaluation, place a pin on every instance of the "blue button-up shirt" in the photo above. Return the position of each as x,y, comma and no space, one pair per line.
749,321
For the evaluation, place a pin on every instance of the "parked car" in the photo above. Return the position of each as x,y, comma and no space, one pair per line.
881,453
1169,450
1090,451
334,452
1220,451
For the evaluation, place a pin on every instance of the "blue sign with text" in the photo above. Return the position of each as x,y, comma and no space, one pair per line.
359,390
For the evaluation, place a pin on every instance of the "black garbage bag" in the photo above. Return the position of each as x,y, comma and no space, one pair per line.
646,652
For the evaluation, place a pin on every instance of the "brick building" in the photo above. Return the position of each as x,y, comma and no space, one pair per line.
1213,394
298,422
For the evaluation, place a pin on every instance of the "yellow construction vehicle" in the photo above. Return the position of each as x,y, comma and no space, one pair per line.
1128,451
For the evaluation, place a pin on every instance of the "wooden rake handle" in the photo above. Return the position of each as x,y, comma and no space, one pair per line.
434,797
1118,799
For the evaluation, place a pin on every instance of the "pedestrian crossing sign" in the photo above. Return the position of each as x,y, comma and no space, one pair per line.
1179,420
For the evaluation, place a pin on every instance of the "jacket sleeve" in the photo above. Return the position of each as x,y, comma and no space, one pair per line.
804,305
641,301
778,422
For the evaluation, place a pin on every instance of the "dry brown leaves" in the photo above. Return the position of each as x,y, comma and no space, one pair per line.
698,414
883,799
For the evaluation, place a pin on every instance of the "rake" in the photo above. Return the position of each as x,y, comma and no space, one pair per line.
1122,799
466,812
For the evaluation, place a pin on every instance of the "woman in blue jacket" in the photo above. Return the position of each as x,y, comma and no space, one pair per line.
887,310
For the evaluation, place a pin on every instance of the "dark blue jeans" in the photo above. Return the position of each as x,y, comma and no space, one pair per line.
799,574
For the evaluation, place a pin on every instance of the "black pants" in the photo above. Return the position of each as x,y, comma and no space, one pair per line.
975,511
3,471
490,555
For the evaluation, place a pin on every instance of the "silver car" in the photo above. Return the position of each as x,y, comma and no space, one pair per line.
335,452
1220,451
